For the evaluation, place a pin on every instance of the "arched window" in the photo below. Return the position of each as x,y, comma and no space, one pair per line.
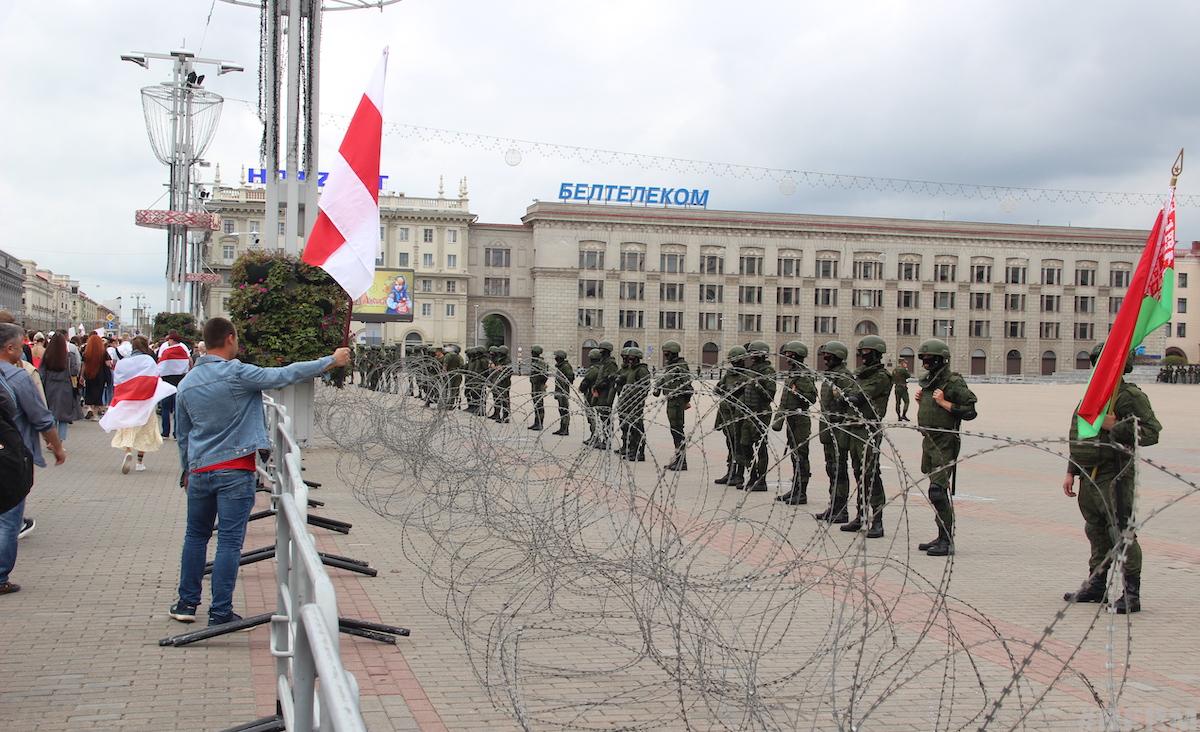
978,362
710,354
629,344
1083,361
866,328
1012,363
907,352
412,340
1049,363
588,345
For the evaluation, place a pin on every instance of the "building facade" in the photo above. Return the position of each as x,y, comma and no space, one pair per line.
427,235
52,301
12,286
1009,299
1183,332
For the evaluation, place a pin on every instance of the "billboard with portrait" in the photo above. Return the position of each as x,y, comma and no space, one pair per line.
390,298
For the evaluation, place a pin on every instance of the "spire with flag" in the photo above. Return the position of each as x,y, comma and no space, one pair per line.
1147,306
345,237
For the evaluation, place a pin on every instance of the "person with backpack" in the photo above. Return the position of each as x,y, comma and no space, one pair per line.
23,414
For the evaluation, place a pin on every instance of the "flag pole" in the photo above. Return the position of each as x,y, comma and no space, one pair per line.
1177,168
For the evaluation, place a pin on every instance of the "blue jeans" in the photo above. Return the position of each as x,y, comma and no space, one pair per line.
63,427
226,496
10,526
165,408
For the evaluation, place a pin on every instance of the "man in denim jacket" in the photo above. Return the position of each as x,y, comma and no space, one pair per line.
220,427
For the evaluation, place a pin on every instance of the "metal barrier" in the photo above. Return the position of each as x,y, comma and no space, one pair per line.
304,628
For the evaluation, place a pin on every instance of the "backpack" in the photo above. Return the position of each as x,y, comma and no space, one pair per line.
16,462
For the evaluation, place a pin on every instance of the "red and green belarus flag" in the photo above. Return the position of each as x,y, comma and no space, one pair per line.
1147,306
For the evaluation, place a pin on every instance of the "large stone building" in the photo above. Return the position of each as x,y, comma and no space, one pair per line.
1009,299
12,285
427,235
54,302
1183,332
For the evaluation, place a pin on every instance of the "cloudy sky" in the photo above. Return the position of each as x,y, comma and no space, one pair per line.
1032,94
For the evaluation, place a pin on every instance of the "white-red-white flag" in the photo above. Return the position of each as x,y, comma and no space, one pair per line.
174,359
345,237
136,389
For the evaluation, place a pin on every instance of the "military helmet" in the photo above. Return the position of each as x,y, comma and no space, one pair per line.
835,348
796,348
454,348
502,350
1096,350
560,353
873,343
493,349
735,353
595,354
934,347
536,350
605,346
625,352
634,352
759,348
672,347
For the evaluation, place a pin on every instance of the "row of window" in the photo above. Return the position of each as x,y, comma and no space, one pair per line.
828,297
229,226
827,268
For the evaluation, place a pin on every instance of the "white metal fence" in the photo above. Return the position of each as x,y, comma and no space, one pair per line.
304,628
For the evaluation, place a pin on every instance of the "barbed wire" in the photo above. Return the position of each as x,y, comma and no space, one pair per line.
590,592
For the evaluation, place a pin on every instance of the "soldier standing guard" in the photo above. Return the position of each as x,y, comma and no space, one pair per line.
868,406
836,381
727,416
539,373
757,395
452,362
604,391
944,401
900,377
563,376
587,387
631,405
676,382
1105,467
502,384
799,393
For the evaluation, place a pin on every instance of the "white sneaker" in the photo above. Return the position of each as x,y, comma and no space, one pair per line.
126,463
140,467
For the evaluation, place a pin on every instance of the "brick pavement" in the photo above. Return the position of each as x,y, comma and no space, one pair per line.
99,572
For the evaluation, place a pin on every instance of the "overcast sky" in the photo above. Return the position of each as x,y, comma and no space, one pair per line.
1097,96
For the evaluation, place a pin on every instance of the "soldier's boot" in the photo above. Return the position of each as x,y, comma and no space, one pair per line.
640,448
876,529
758,477
854,525
835,514
798,495
941,548
736,476
1131,601
537,425
728,472
563,428
923,546
680,461
1091,591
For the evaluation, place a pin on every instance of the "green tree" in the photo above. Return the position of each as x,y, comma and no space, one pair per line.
183,322
493,330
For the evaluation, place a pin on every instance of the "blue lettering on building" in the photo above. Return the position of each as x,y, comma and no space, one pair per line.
259,175
644,195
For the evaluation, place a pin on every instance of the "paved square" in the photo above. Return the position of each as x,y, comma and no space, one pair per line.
560,586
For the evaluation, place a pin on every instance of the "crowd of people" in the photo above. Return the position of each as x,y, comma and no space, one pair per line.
52,381
1179,374
754,398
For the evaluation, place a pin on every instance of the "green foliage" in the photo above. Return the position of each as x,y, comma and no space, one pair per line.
493,329
1174,360
285,310
183,322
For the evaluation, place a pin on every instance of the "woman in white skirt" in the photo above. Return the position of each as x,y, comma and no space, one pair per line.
137,364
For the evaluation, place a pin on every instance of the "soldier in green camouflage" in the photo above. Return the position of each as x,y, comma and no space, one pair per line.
900,377
587,387
563,376
1104,466
622,428
489,382
836,383
452,362
944,402
604,391
631,405
799,393
868,406
729,408
539,374
676,382
470,380
502,384
758,395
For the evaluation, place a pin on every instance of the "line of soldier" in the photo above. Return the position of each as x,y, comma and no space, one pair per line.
1179,374
853,406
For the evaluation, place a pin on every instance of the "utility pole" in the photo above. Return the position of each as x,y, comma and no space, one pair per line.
181,119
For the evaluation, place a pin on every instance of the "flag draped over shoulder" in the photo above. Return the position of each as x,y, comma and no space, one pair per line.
136,389
344,240
1147,306
174,360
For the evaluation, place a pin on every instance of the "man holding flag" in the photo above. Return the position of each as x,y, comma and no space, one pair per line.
1115,418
